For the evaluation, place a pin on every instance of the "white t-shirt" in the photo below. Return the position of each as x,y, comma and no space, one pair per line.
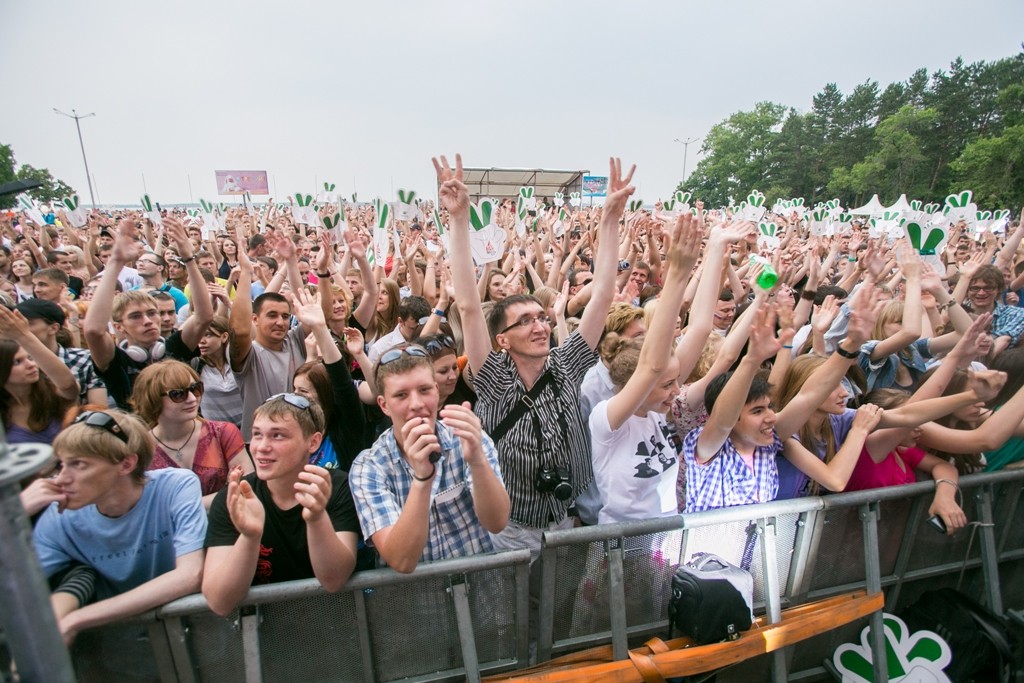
635,467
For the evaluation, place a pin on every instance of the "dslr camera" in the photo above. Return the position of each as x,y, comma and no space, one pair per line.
555,480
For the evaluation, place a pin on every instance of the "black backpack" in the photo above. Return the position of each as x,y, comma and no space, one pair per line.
980,642
711,599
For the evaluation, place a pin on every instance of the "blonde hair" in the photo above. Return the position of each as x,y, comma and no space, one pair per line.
707,359
156,380
125,299
87,441
892,312
310,420
796,376
623,356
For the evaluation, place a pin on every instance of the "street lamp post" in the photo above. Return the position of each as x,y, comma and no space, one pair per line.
686,148
88,178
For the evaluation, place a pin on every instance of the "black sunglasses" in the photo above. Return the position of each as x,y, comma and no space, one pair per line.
296,400
394,354
104,421
179,395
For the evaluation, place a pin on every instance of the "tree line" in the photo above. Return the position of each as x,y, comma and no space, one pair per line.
926,137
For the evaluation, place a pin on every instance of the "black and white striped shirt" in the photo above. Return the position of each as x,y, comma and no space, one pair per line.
521,450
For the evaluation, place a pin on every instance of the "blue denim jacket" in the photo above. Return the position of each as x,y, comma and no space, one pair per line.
881,374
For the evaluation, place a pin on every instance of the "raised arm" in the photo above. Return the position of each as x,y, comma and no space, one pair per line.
603,286
454,196
910,330
97,320
240,340
834,475
14,326
657,347
202,303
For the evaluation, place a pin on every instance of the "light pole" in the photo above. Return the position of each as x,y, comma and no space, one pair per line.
686,148
88,178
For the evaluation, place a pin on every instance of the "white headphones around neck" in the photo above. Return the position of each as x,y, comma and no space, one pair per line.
141,354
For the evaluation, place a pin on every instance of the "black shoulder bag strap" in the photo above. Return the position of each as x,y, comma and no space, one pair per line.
521,406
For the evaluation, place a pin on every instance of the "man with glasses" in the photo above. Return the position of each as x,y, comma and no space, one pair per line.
413,313
428,489
288,520
136,317
529,393
141,531
153,270
985,285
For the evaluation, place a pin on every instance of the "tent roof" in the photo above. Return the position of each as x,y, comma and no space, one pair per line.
901,204
873,207
505,182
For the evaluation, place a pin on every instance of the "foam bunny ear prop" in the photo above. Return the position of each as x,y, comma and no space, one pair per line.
151,211
982,221
752,209
635,205
442,231
527,198
767,235
819,221
328,194
303,210
522,213
559,199
382,216
486,240
74,212
406,208
211,222
927,241
960,208
1000,219
682,199
574,199
31,209
334,224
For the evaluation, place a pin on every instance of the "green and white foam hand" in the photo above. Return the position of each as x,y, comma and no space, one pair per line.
767,235
574,200
819,221
381,236
1000,219
959,207
635,205
931,208
918,657
752,209
682,199
486,239
925,240
30,208
303,210
559,199
333,221
406,208
521,216
442,230
74,212
211,222
526,194
152,213
328,195
982,221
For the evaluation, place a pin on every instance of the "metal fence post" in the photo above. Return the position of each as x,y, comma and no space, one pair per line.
989,552
546,609
873,575
617,602
178,642
772,599
464,622
365,647
250,618
25,612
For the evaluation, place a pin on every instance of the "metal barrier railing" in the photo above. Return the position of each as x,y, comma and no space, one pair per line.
468,616
809,549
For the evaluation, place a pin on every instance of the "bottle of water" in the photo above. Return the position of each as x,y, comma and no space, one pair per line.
767,277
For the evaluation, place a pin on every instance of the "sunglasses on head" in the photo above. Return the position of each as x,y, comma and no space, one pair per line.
104,421
394,354
179,395
436,347
295,400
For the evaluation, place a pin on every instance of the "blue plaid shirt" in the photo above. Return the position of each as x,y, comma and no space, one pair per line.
725,480
381,479
1008,321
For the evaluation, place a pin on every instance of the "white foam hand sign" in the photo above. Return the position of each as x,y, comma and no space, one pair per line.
149,208
74,212
527,199
486,239
328,195
303,210
406,208
381,238
211,222
31,210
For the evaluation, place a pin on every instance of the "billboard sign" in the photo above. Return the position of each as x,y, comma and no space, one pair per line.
240,182
595,185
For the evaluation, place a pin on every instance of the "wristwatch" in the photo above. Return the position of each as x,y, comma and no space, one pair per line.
846,354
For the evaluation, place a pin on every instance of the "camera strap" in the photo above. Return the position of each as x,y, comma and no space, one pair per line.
519,409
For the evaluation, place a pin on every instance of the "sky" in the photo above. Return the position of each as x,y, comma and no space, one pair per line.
363,94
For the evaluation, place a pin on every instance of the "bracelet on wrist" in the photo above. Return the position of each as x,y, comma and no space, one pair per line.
439,312
433,470
851,259
846,354
191,258
324,276
809,294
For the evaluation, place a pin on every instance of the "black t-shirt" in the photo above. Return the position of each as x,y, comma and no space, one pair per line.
121,373
284,552
75,285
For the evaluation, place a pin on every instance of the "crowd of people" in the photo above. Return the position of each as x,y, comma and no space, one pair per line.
268,400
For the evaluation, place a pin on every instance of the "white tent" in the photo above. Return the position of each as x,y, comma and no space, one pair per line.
901,205
872,208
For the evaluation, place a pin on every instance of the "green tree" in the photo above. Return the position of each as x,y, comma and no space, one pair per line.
738,155
50,188
994,169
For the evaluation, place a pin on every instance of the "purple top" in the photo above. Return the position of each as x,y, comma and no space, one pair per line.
795,484
17,434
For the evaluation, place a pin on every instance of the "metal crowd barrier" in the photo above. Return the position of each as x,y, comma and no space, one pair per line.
458,619
609,583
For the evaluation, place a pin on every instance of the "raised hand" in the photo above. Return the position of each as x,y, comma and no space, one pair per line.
452,193
355,343
356,243
763,343
560,302
176,232
619,189
685,246
13,325
824,315
867,418
244,508
986,384
313,491
466,425
864,310
969,267
969,345
324,256
307,308
126,247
